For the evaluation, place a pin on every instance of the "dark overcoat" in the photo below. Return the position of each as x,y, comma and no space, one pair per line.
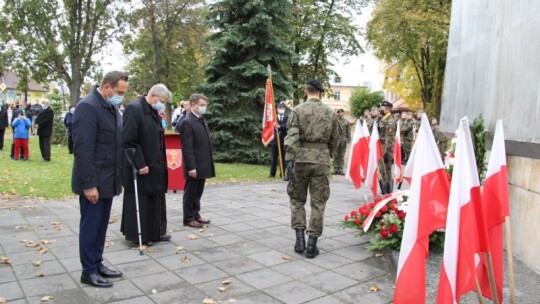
196,146
97,147
143,131
45,122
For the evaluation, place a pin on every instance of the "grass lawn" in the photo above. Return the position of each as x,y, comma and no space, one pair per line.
52,180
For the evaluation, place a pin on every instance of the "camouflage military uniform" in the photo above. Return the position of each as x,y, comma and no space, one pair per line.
387,132
345,137
440,139
312,138
407,129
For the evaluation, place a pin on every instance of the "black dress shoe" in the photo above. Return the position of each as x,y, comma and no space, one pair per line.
106,272
193,224
165,238
203,220
95,280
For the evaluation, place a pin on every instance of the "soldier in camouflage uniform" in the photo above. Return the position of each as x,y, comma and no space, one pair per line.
408,127
312,138
440,138
375,115
387,132
344,139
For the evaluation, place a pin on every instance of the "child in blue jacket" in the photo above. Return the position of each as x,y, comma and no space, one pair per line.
20,126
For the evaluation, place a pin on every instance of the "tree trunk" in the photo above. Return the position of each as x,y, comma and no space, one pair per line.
155,43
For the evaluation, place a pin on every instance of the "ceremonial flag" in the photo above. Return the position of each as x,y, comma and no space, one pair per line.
428,202
466,232
496,208
269,114
375,154
396,167
356,168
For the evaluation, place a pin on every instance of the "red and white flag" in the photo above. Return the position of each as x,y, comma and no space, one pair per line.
375,154
496,207
396,167
466,232
356,168
428,202
269,115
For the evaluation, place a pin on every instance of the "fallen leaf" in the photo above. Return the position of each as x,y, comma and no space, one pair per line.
150,250
378,255
226,282
58,228
113,220
55,223
192,237
222,289
185,259
31,244
47,298
286,258
201,230
47,242
137,247
40,274
3,300
208,301
178,249
108,244
231,300
210,235
154,291
42,250
5,261
374,289
36,263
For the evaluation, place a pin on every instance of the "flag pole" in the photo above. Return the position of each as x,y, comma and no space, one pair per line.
510,261
491,277
478,291
276,130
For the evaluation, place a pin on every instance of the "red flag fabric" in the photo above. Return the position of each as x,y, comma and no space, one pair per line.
396,167
375,154
269,115
356,168
466,233
428,202
496,208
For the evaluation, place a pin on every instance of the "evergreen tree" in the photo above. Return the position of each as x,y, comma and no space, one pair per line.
247,39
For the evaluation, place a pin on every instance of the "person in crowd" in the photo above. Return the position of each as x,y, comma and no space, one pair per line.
375,115
176,114
16,112
407,129
387,133
142,130
197,159
20,126
68,123
312,139
44,124
36,109
4,123
344,139
97,171
186,106
28,110
280,131
440,138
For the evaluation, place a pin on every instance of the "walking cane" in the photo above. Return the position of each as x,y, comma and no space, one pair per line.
130,152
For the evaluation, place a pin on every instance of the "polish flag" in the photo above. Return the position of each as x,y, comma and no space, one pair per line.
358,156
496,208
428,202
375,154
466,232
396,167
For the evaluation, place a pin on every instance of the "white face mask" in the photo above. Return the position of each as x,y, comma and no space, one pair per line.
202,110
280,111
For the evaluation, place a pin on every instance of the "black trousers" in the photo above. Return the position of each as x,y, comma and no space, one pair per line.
92,232
274,165
193,192
70,144
2,131
45,147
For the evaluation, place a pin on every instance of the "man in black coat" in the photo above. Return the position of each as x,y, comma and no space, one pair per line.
97,171
143,131
4,123
197,159
44,123
281,127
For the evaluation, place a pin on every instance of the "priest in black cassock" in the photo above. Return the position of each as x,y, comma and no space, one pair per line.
142,130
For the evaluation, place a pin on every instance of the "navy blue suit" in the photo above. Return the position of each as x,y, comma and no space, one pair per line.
97,147
281,133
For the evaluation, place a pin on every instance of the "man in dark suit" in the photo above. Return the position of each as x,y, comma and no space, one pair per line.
197,159
97,171
281,127
143,131
44,123
4,123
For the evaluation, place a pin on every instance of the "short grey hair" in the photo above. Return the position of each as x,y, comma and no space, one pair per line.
160,90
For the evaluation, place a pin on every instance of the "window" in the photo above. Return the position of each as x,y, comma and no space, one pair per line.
337,79
361,68
337,95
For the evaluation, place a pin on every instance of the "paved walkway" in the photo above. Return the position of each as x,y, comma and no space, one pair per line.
249,244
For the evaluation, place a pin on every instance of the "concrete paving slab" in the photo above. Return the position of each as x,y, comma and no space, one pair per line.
294,292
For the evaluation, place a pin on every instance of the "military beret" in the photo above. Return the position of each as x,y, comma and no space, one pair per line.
340,111
386,103
281,104
316,84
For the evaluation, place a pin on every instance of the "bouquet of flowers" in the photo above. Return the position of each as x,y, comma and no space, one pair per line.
384,218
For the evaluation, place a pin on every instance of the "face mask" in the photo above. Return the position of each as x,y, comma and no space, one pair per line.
72,111
281,111
158,106
44,106
116,100
202,110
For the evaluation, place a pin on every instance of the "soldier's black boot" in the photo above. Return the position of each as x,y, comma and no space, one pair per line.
389,188
312,250
300,245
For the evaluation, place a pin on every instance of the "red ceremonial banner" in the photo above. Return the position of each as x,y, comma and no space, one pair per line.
269,117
